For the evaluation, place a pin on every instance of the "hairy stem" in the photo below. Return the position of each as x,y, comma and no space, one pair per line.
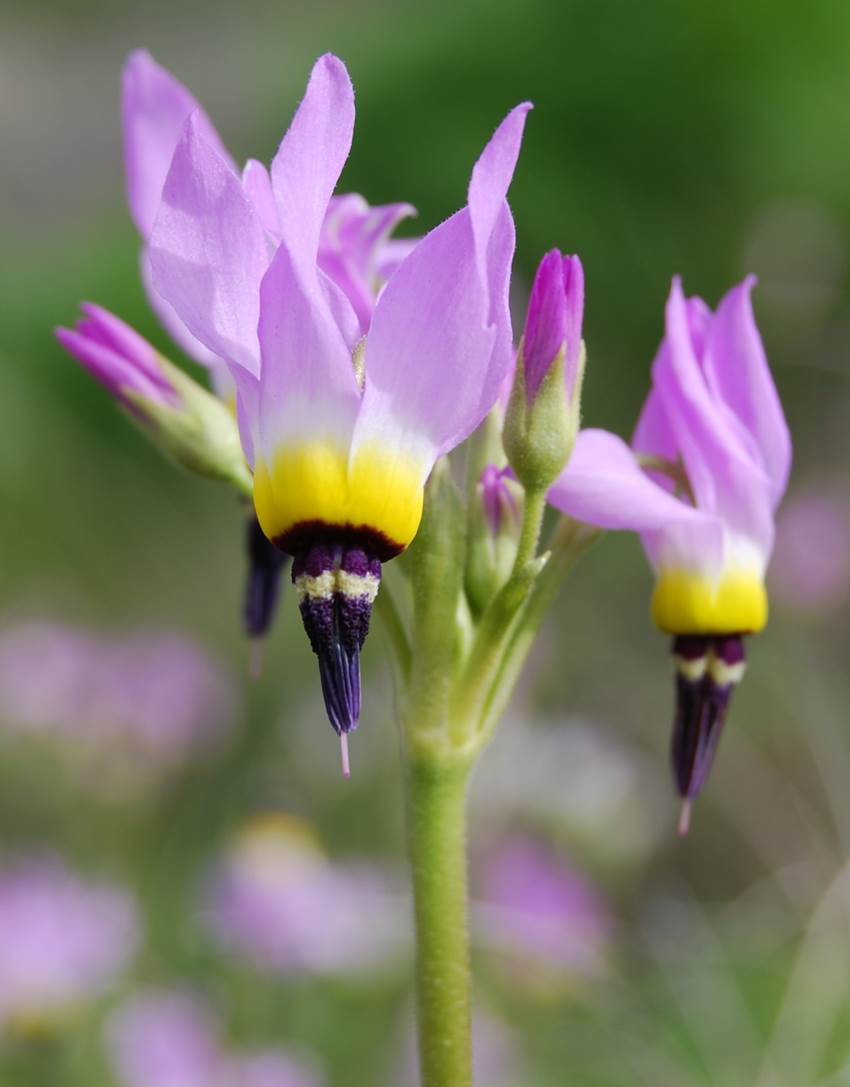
437,843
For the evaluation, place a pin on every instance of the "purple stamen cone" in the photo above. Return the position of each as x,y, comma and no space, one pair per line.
262,586
336,586
707,669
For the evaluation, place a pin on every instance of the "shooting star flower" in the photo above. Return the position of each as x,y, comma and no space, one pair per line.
713,458
342,431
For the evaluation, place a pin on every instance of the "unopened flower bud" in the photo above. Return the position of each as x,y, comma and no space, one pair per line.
493,532
188,423
542,419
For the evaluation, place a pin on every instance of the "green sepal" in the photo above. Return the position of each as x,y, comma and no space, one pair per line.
490,556
539,435
199,432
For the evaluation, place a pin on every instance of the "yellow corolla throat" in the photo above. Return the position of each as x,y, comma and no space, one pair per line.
687,602
313,486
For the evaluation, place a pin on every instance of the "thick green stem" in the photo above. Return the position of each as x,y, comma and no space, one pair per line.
437,840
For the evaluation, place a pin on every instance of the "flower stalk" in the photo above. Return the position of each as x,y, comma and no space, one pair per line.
437,842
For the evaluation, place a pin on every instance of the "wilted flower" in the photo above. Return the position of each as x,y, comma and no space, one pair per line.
62,941
339,465
537,913
543,412
276,899
715,454
163,1038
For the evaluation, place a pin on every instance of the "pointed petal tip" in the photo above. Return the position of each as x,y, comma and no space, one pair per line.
136,59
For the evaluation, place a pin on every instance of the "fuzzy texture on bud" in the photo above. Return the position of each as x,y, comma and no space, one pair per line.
542,419
188,423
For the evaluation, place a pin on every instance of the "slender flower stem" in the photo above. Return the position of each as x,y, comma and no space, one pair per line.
529,537
437,842
497,620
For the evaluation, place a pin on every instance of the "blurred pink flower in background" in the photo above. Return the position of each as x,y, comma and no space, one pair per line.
162,1038
141,703
539,915
811,566
276,899
63,941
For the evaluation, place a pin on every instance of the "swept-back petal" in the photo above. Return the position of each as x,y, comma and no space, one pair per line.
258,188
188,344
736,368
493,231
604,485
154,108
311,156
352,248
714,447
209,251
439,345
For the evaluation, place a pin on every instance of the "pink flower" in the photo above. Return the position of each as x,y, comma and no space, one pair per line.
342,434
162,1038
155,107
62,941
276,899
714,454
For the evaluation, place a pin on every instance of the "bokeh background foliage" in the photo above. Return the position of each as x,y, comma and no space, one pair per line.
709,139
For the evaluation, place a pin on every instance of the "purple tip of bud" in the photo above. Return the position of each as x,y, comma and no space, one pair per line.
707,670
117,356
263,584
554,320
496,497
336,586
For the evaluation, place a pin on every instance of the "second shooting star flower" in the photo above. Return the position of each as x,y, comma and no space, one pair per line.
342,433
711,459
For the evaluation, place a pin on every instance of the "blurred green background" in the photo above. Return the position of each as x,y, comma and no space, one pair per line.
707,139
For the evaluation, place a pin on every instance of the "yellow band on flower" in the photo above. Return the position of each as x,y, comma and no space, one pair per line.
313,483
685,602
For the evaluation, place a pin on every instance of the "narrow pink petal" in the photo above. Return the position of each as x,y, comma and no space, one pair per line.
737,369
209,251
604,485
391,254
491,178
493,230
172,324
714,447
351,248
258,188
440,342
311,156
117,374
307,384
154,108
428,349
